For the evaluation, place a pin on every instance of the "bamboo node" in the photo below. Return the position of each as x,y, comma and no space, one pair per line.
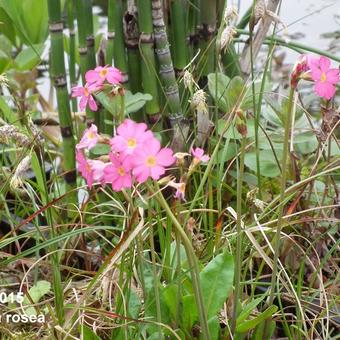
146,38
90,41
82,50
66,131
111,35
60,81
162,51
70,176
56,26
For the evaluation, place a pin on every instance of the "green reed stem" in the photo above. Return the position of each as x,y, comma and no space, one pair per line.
294,45
238,262
192,260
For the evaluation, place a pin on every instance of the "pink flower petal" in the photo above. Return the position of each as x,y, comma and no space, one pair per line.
83,103
324,63
157,171
77,91
92,76
92,104
153,146
118,144
165,157
332,76
325,90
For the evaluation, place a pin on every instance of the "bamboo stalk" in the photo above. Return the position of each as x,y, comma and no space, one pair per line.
86,52
180,55
131,36
110,32
207,32
91,53
167,73
57,70
119,53
148,62
72,50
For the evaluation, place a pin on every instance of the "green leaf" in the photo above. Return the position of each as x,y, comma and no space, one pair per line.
189,312
232,132
216,282
170,298
214,327
217,85
268,165
29,17
88,333
6,26
251,324
101,149
36,292
134,102
248,309
29,57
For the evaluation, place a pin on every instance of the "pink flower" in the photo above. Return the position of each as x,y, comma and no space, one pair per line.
118,172
89,139
86,96
301,66
325,77
100,74
180,189
84,167
98,168
199,156
151,161
130,135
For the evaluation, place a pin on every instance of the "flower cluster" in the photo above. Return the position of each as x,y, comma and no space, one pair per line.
95,80
319,70
135,155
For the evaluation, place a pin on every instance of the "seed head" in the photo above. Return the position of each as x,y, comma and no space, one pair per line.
230,14
198,101
17,179
227,36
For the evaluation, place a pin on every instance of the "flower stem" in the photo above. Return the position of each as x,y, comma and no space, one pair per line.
195,275
238,263
288,123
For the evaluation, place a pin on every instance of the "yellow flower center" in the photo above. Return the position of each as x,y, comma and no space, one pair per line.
103,72
90,135
121,171
182,187
323,77
150,161
86,92
131,143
